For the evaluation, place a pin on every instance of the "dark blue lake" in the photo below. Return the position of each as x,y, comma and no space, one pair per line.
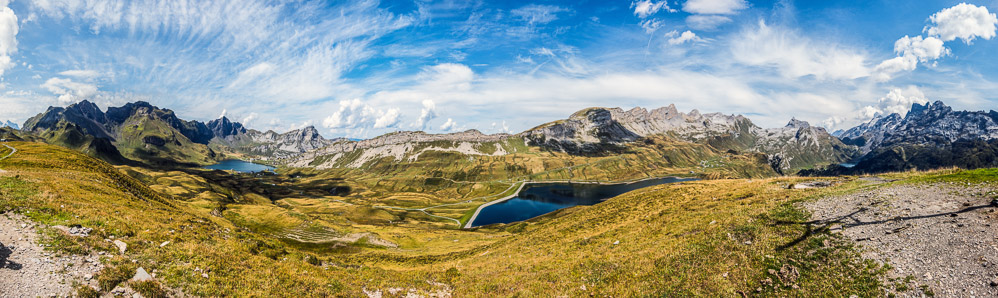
539,199
239,166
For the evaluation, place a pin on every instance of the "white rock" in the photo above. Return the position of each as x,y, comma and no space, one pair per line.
122,246
141,275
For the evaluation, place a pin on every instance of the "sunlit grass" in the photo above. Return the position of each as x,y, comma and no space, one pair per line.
702,238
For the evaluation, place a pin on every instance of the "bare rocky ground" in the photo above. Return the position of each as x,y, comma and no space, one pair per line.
28,270
942,236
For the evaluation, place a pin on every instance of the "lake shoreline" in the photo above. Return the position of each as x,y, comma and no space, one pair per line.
523,184
240,166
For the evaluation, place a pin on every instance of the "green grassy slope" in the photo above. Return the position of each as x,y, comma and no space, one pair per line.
154,141
703,238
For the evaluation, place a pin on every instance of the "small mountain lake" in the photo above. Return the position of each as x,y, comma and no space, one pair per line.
239,166
541,198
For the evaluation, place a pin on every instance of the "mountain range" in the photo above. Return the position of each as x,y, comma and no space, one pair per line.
10,124
145,133
930,135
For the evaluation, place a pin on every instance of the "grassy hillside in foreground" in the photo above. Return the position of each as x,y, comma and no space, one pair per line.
703,238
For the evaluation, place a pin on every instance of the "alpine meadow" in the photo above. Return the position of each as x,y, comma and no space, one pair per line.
468,148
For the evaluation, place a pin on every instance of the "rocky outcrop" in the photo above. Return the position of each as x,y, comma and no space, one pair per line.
286,145
594,130
929,136
800,145
937,124
871,134
591,130
400,146
222,128
933,124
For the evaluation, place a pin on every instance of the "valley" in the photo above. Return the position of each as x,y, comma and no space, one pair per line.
442,149
396,214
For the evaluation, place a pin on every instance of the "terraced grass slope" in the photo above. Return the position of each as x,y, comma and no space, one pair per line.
705,238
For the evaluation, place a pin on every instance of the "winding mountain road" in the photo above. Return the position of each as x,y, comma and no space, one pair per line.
12,151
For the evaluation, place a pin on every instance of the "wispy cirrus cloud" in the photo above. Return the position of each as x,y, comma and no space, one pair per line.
363,68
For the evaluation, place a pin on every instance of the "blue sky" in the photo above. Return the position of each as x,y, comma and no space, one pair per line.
363,68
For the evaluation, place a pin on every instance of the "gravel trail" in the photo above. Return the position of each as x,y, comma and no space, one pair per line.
944,236
28,270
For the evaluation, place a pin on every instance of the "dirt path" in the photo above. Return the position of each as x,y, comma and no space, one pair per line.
941,235
12,151
28,270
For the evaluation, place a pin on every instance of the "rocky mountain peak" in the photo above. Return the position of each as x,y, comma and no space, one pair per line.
932,123
934,108
87,109
794,123
222,127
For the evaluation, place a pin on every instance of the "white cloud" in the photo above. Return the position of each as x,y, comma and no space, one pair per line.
651,25
267,56
81,74
714,6
963,21
929,48
535,14
428,113
686,36
355,114
389,119
68,91
224,111
251,74
706,22
796,56
249,119
448,76
646,8
899,100
450,125
894,65
911,50
8,37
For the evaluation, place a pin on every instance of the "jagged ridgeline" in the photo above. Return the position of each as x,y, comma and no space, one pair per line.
661,138
144,133
930,136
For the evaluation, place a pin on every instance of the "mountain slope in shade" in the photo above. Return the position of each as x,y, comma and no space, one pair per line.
929,136
139,131
146,133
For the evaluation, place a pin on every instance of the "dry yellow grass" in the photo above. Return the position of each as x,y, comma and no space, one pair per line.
703,238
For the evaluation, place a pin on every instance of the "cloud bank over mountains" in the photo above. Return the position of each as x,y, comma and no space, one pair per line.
363,68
